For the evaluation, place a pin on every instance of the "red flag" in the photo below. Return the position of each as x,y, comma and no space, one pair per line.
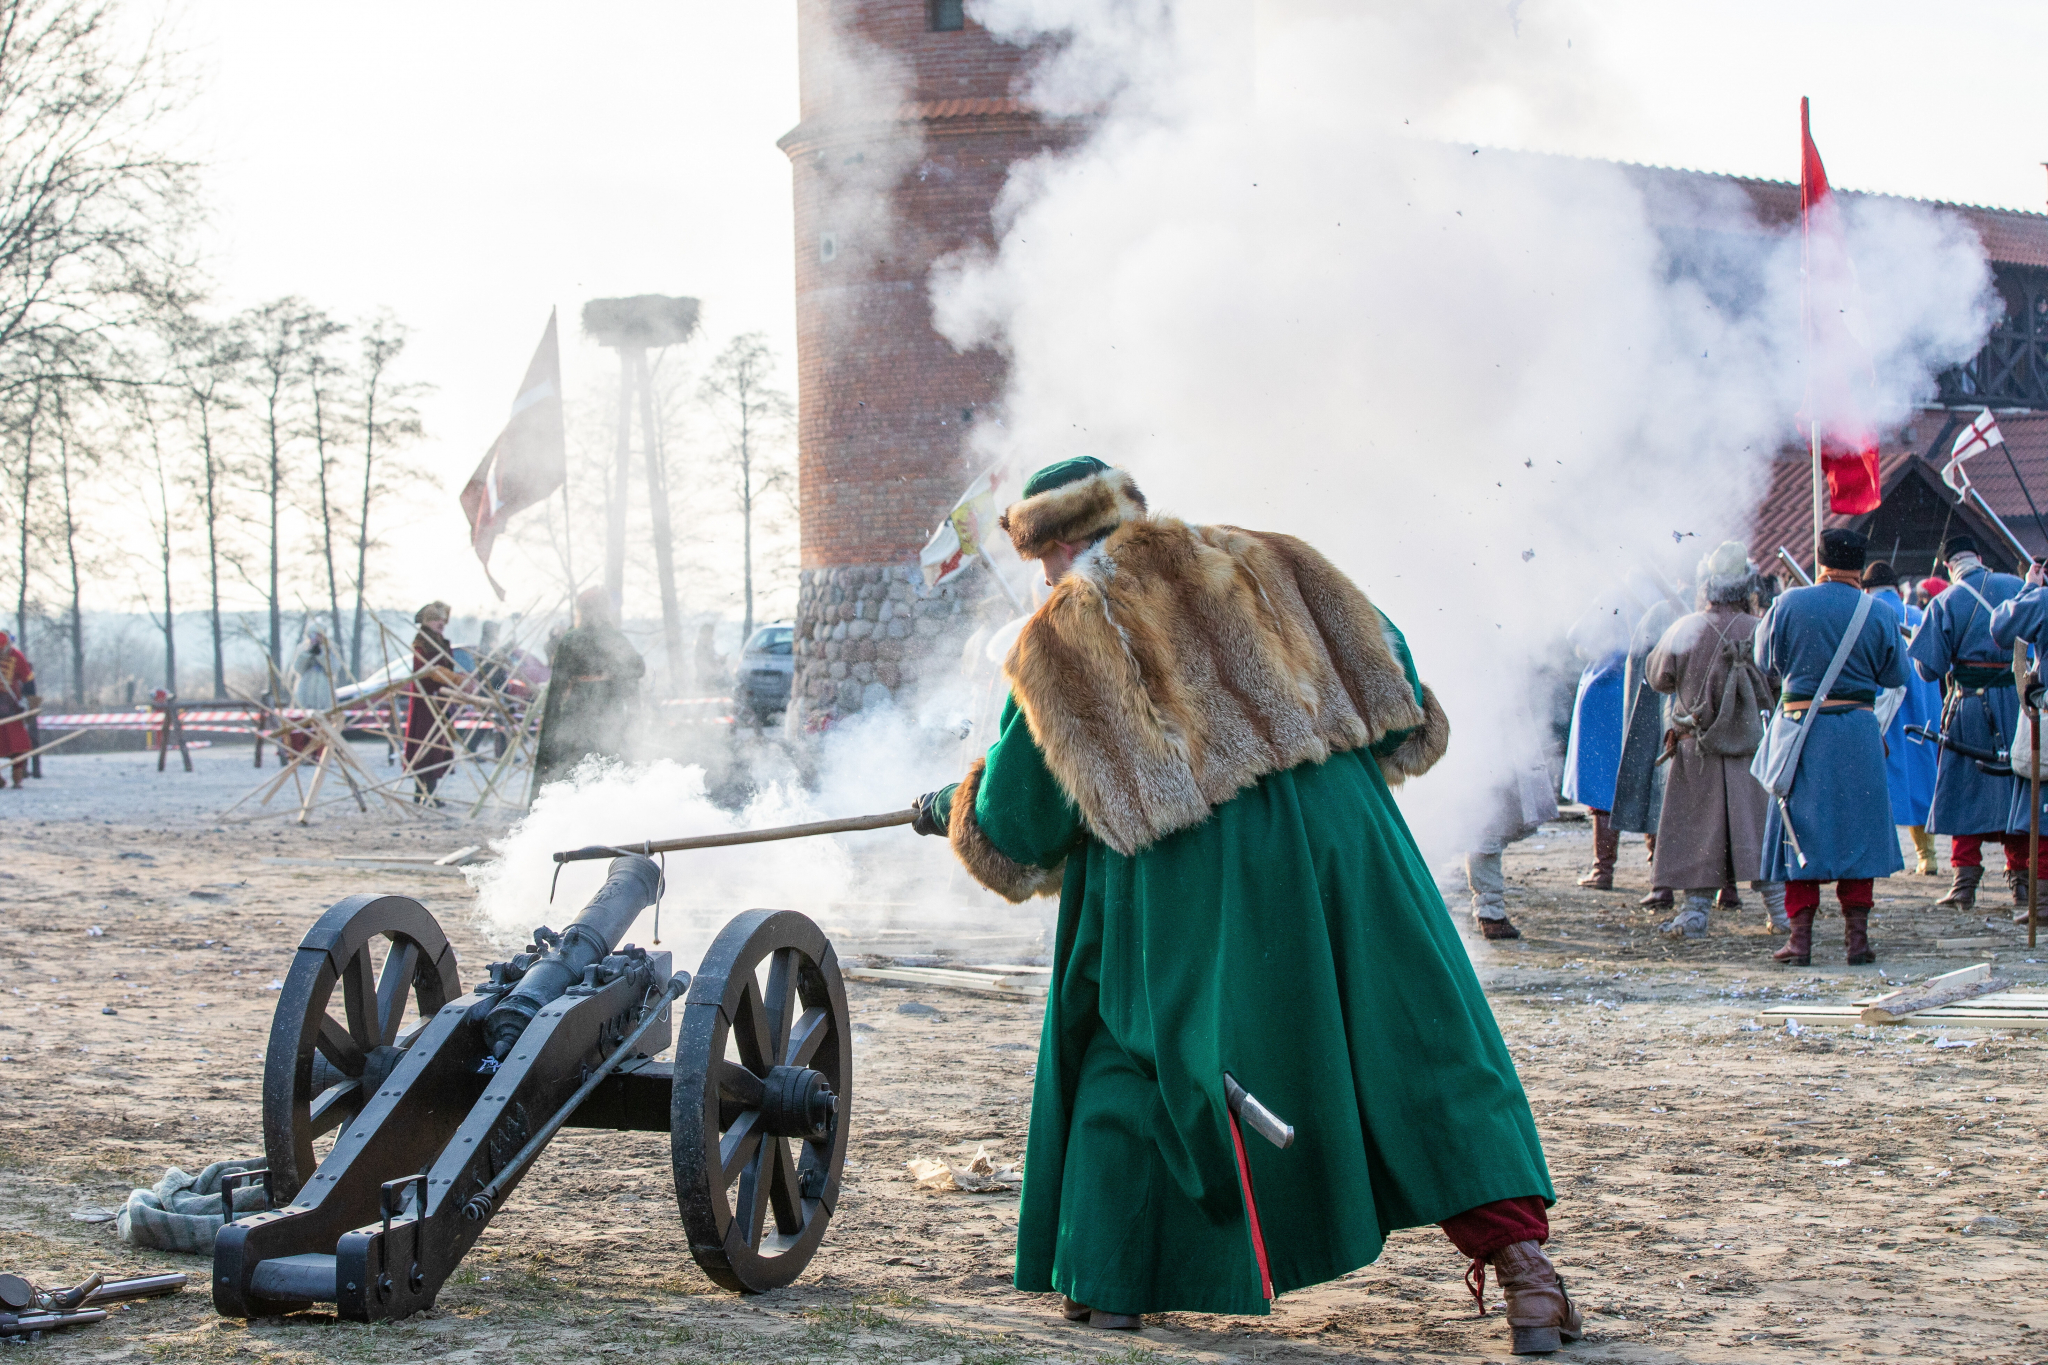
528,461
1837,362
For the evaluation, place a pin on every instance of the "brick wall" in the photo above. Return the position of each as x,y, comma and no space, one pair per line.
890,174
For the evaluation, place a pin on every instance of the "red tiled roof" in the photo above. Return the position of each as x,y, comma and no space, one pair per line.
1785,517
2010,236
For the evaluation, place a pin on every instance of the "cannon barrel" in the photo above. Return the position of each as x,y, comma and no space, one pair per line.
631,886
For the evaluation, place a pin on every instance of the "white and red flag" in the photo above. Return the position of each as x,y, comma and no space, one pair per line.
528,461
1839,376
1973,439
958,541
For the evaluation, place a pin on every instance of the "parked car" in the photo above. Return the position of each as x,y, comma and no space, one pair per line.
767,668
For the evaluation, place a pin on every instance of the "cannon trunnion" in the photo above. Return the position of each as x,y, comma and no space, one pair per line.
394,1134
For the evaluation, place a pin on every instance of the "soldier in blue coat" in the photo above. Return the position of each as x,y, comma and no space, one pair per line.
2025,618
1840,807
1979,710
1909,763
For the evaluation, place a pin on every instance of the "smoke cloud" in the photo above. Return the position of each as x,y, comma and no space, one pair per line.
1488,384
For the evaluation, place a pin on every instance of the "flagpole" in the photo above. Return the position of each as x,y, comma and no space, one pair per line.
1819,497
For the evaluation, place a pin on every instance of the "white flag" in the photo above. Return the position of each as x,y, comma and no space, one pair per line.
957,542
1973,439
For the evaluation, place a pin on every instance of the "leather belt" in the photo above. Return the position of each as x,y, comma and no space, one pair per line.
1799,708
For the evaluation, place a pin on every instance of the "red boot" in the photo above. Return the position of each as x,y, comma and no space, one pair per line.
1798,949
1856,935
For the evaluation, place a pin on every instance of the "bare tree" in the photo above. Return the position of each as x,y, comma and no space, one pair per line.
206,360
388,418
73,463
321,375
161,523
282,333
24,479
92,216
740,392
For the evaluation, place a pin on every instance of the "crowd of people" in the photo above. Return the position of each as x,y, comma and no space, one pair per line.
1784,737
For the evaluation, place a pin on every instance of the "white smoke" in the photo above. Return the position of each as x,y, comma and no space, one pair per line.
874,891
1275,288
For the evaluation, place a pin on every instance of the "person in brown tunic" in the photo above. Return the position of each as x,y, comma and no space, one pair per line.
429,737
1710,830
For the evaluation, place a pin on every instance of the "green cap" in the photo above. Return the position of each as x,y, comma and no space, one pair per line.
1065,472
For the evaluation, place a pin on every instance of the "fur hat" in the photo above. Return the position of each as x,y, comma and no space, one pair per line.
1073,501
1958,545
1842,549
1726,568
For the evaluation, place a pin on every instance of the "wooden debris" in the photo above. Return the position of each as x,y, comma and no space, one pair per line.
1983,941
2001,1010
952,979
1942,990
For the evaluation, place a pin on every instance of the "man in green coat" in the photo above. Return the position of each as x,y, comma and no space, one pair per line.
1196,751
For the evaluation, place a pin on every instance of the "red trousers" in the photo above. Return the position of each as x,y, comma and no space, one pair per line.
1853,892
1478,1233
1967,850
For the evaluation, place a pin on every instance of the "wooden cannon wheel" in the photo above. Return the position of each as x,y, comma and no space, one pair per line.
763,1078
385,952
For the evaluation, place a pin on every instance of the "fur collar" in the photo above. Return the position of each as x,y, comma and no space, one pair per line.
1179,664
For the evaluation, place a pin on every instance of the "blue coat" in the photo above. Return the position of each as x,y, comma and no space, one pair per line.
1841,807
1909,763
1956,632
1592,756
2024,618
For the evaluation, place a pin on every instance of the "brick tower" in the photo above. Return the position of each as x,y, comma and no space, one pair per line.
910,122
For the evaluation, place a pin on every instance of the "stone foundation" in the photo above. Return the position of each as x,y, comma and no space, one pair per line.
866,633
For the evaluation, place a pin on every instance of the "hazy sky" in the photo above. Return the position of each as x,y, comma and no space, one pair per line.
471,165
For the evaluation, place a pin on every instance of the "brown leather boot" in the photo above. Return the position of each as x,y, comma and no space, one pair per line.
1606,846
1541,1317
1729,898
2016,881
1856,935
1798,949
1658,899
1962,892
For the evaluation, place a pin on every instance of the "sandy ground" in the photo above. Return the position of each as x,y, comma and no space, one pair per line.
1727,1192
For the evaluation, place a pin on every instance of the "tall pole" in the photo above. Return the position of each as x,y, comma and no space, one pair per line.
1820,495
664,538
2034,830
615,529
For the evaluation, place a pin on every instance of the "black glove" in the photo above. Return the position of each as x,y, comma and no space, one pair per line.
927,821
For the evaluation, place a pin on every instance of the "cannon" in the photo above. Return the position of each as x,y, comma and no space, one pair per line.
400,1112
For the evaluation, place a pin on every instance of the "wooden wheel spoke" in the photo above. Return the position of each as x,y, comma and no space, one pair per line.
740,1083
810,1031
780,1000
336,1105
750,1206
750,1031
740,1145
359,999
340,1048
782,1190
394,988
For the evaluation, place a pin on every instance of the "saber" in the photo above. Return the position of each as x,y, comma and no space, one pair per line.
749,836
1256,1116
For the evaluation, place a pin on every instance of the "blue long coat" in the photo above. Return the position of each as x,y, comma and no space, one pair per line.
1841,807
1956,632
2024,618
1909,763
1592,756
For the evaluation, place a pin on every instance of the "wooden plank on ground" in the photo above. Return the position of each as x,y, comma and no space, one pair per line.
2003,1009
1948,989
944,978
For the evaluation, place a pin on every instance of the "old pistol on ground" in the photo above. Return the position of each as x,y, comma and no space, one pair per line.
400,1113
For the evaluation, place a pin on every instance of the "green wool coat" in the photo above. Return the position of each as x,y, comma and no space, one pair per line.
1295,939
